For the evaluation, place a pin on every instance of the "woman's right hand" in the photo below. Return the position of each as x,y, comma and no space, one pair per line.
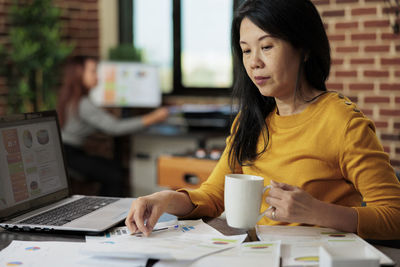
156,116
145,211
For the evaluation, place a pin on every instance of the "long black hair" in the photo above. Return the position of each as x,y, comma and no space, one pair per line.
295,21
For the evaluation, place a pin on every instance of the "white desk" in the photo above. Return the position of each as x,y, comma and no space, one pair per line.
6,237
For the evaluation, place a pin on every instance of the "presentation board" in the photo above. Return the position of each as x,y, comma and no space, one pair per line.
127,85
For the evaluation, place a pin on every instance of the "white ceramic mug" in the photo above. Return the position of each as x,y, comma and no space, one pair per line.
243,194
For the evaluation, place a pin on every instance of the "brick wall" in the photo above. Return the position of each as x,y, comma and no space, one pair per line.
366,62
80,26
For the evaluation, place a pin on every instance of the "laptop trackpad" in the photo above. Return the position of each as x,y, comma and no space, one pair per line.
99,218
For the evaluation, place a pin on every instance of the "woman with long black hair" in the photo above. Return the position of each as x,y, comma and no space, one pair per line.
317,150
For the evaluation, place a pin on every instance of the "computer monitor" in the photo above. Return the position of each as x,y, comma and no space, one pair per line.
124,84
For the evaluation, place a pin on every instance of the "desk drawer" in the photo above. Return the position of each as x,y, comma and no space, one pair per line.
183,172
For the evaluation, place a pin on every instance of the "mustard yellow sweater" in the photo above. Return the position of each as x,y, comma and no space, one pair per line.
329,150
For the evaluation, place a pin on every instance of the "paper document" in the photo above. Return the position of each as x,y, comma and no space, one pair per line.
254,254
300,244
158,246
191,240
60,254
120,234
164,222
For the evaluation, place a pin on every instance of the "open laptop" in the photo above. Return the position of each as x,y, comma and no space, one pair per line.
34,191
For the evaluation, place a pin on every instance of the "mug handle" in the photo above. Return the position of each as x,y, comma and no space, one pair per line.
265,211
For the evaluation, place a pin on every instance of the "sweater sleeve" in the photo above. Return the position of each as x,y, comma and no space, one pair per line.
367,166
209,198
101,120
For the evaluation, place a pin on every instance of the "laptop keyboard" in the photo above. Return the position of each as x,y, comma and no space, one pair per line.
69,212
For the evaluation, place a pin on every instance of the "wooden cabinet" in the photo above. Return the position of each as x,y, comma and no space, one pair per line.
183,172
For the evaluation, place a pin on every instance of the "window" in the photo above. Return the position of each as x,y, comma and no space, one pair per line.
152,29
189,40
206,59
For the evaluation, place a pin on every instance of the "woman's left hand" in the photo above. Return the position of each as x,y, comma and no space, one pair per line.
290,204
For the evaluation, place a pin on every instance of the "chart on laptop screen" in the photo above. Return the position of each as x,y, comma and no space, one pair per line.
31,163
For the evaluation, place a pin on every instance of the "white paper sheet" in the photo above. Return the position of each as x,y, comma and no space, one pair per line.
60,254
189,241
121,234
300,244
184,246
252,254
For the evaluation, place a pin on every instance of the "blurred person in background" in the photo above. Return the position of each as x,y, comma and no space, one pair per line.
79,118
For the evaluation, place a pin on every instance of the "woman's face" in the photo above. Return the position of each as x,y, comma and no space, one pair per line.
89,77
271,63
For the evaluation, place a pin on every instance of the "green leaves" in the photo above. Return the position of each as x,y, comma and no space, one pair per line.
34,55
24,49
125,52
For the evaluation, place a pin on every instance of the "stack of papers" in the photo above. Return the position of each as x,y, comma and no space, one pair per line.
188,242
185,247
300,245
254,254
60,254
195,244
184,244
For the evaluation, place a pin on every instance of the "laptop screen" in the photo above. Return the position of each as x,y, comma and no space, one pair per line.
32,171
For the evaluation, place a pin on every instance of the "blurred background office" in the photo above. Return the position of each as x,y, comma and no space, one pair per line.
188,41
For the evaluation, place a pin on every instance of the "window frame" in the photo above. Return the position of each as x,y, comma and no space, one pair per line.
178,89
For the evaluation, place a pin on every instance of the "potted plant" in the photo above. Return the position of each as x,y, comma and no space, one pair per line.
34,53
